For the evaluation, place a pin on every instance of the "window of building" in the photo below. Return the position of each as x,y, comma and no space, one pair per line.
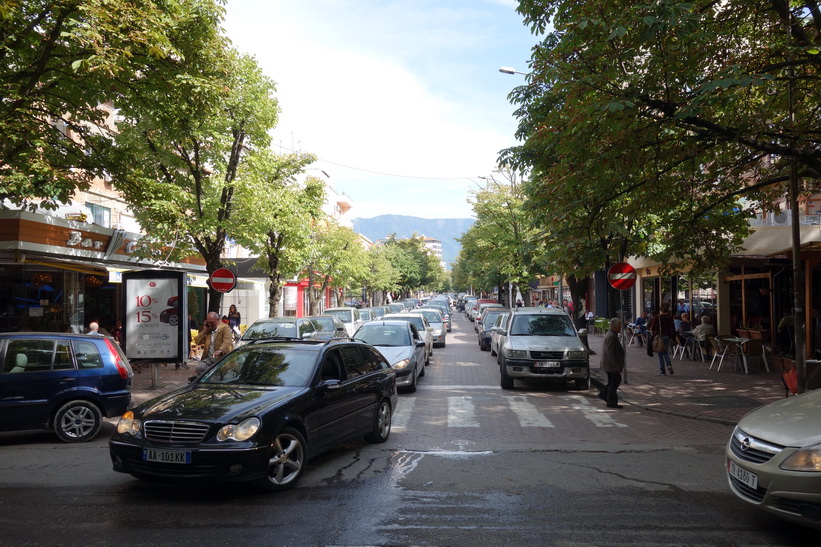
102,215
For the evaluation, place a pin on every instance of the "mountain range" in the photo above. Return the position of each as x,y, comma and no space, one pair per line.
445,230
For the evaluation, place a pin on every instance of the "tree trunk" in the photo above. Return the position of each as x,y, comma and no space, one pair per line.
578,291
274,295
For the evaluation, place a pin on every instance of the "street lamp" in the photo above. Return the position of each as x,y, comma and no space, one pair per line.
508,70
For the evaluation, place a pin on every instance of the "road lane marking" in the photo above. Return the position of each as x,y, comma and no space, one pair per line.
527,413
599,417
461,412
403,412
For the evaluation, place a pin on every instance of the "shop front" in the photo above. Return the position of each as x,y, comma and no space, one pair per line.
59,275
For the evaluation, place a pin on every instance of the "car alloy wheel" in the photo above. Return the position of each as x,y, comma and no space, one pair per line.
78,421
381,424
287,460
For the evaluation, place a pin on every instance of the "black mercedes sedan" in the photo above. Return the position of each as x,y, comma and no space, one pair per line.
260,413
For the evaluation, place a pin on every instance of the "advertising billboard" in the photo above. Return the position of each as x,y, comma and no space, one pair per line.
155,326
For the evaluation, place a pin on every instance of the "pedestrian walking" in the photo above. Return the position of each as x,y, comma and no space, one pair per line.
663,328
612,360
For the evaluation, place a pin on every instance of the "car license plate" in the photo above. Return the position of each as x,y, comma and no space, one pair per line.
548,364
741,474
166,456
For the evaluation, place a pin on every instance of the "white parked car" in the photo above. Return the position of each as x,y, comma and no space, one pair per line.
349,316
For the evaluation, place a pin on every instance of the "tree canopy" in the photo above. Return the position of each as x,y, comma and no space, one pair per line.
656,128
58,63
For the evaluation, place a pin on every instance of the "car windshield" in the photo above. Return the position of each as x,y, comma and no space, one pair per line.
542,325
270,329
264,366
384,335
324,323
343,315
490,318
416,320
365,315
432,316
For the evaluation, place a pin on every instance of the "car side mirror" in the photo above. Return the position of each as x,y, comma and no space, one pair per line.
582,332
420,343
329,385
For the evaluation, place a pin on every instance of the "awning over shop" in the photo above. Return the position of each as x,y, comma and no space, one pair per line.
771,240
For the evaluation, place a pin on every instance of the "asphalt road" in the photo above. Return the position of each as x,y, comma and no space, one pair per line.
466,463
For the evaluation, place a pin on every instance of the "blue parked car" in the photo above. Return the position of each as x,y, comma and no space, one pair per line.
61,381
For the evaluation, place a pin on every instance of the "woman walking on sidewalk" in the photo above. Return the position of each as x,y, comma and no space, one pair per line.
664,329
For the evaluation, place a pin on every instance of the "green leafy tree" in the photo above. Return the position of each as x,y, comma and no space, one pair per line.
382,277
187,130
59,62
273,214
337,258
669,112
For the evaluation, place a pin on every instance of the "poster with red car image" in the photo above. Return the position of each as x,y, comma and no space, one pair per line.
154,309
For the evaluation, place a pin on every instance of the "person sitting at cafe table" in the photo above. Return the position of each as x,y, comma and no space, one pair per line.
683,328
701,332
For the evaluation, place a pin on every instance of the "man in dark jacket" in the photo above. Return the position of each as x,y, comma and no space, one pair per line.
612,361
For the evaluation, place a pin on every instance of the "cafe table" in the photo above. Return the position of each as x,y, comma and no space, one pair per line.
739,353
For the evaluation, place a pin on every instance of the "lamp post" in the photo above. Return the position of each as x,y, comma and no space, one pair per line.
508,70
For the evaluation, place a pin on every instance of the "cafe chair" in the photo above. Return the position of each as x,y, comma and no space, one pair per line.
719,351
635,334
756,348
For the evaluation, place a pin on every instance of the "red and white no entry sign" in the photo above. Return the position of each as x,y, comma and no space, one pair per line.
622,276
223,280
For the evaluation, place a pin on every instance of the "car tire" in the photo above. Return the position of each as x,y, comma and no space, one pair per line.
174,320
427,359
583,385
493,351
506,381
444,342
288,456
78,421
412,387
422,372
381,423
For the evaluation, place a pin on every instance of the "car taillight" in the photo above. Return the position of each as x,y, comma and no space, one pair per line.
122,368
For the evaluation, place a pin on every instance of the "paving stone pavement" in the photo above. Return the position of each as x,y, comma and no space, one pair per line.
693,391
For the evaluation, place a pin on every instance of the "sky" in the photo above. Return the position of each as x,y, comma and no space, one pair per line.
401,101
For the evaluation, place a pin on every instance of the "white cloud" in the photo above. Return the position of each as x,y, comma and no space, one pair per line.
400,88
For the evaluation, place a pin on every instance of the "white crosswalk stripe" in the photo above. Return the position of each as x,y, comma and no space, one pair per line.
527,413
601,418
461,412
403,412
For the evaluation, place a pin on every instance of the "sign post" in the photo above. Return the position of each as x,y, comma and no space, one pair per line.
622,277
223,280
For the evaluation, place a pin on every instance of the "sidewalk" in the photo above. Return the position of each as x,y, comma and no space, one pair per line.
693,391
168,379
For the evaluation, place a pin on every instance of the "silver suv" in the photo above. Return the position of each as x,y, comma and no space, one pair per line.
541,344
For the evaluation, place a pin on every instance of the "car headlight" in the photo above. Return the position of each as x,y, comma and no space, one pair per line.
437,332
804,459
517,354
575,355
128,424
239,432
401,364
